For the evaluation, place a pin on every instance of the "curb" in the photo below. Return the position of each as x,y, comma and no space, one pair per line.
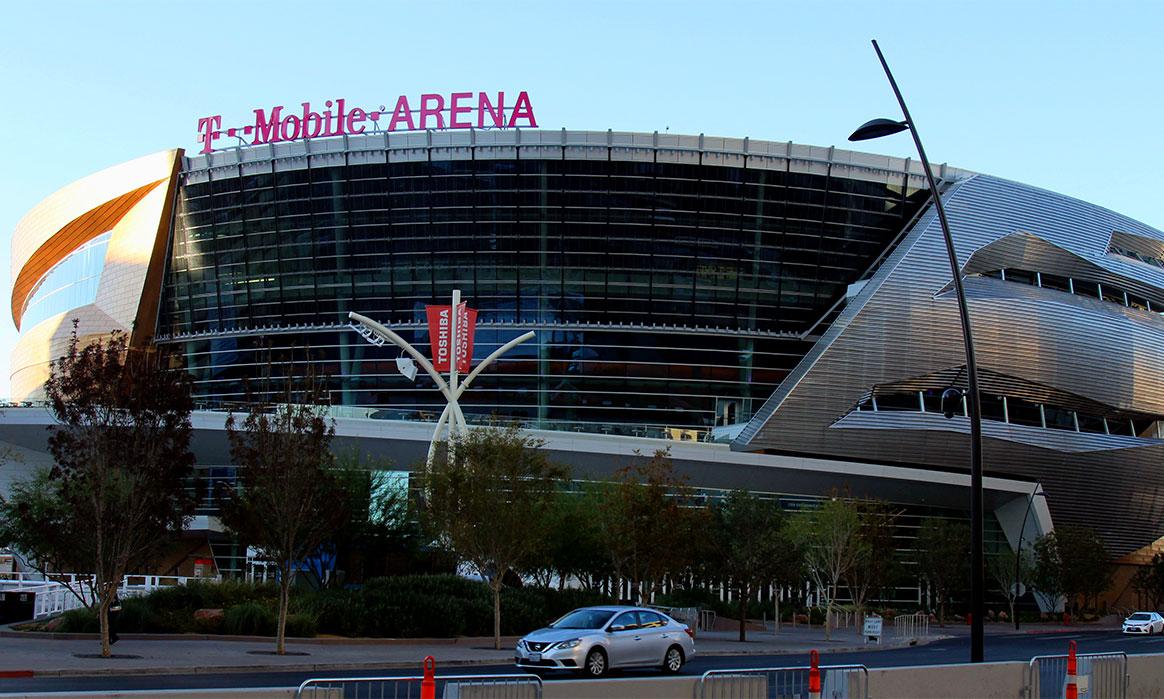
230,669
318,640
387,664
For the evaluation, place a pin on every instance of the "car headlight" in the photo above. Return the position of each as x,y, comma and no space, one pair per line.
572,643
521,644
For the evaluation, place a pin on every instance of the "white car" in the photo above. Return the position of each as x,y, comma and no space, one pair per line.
1146,623
595,639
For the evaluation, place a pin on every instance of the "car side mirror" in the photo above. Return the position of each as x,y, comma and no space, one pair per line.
616,627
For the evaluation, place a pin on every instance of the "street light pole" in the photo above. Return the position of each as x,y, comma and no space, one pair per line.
884,127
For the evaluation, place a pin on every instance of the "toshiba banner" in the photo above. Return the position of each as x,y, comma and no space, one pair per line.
440,326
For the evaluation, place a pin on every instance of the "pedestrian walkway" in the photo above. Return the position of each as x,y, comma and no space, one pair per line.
36,654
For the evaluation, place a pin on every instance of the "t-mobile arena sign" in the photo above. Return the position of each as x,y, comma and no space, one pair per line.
459,110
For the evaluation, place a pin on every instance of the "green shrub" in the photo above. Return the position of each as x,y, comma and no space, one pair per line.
81,620
437,606
192,596
249,619
229,593
335,611
200,594
301,626
137,616
816,616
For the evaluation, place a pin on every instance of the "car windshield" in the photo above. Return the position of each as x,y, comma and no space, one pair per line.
583,619
1139,616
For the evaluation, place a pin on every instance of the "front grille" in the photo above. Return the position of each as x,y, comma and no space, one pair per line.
536,647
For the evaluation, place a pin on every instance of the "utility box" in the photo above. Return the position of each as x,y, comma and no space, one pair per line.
17,606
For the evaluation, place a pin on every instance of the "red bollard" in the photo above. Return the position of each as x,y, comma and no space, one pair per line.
428,684
1072,688
814,675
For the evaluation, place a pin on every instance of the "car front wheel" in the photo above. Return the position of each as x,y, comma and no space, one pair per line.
595,665
673,660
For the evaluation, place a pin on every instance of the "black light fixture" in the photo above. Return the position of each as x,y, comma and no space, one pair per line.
952,402
886,127
876,128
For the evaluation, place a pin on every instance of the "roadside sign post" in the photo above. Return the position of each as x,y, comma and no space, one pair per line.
872,629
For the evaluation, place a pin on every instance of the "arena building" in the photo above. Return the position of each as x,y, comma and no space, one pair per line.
781,316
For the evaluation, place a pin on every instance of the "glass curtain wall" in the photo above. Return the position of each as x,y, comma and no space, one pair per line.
663,295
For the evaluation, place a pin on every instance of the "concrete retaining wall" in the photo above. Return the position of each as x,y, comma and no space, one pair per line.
984,681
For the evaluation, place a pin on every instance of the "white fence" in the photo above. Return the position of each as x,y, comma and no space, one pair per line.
1099,675
53,597
447,686
836,682
911,627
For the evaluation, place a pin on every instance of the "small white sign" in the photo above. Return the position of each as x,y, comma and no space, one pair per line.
872,630
407,367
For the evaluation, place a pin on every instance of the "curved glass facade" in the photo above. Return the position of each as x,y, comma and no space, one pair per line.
662,294
70,284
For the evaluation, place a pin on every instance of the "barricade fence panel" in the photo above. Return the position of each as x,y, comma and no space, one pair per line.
1098,676
836,682
447,686
912,626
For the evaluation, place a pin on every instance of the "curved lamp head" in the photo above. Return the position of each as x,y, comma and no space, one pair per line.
878,128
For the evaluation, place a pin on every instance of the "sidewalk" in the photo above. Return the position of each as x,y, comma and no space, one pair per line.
37,654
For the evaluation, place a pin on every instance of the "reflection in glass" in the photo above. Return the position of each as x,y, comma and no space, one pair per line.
70,284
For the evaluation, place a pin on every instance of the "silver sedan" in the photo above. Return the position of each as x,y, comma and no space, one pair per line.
595,639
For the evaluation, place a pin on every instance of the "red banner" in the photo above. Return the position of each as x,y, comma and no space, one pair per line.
439,333
466,328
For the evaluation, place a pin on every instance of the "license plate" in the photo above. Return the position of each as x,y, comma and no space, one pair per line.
535,657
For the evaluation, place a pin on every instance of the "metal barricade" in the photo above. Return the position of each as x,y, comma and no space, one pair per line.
448,687
1098,676
911,627
837,682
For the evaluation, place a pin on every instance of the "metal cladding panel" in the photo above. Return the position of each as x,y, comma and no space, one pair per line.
904,324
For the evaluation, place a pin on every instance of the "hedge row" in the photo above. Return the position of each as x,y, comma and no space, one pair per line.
441,606
436,606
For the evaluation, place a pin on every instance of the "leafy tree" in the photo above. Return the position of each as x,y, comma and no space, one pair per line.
647,529
572,545
1072,562
1002,568
115,497
35,521
830,537
290,497
876,566
1149,582
943,552
489,500
754,547
383,534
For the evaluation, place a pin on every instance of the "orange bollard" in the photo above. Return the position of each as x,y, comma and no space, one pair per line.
814,675
1072,688
428,684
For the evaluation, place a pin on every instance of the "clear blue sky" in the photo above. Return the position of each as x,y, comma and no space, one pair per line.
1063,95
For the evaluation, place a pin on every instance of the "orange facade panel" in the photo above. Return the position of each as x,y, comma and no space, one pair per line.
76,233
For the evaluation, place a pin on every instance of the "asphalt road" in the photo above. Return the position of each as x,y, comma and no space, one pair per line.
1002,647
